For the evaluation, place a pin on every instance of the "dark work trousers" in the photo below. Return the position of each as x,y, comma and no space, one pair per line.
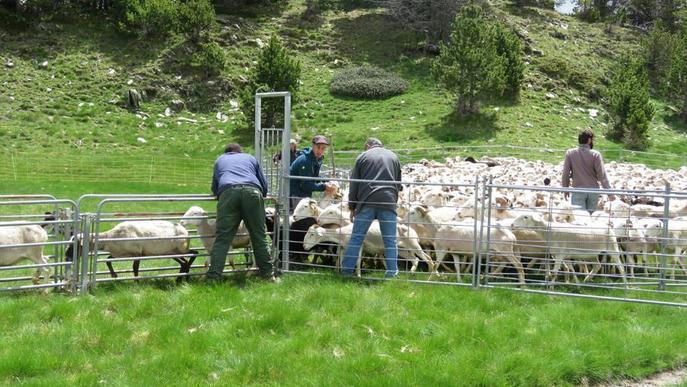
235,204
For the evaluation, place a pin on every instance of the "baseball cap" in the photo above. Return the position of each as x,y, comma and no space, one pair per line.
319,139
293,141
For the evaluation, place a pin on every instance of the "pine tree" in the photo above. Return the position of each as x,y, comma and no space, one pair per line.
629,103
275,71
469,66
509,47
678,72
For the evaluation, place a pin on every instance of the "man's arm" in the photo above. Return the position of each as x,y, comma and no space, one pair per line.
353,189
215,181
600,171
261,178
567,169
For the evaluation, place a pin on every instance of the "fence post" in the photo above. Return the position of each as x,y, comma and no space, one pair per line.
84,239
664,240
486,204
150,174
14,167
475,243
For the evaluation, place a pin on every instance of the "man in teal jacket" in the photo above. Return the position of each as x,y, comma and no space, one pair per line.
308,164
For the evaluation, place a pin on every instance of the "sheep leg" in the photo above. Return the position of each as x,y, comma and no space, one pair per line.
595,269
136,265
113,274
518,266
615,258
558,261
630,264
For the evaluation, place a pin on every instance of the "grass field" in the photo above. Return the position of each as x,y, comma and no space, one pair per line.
321,331
66,128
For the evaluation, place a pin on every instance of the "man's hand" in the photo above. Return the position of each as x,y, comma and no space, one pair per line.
351,215
329,189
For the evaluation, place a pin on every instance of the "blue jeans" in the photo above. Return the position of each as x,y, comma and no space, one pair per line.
362,222
587,201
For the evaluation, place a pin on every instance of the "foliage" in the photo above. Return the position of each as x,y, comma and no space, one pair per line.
210,57
195,17
659,46
275,70
156,18
629,103
509,47
470,65
546,4
367,82
677,79
433,18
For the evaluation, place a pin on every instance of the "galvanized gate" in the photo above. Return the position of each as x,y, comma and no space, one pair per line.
39,228
272,144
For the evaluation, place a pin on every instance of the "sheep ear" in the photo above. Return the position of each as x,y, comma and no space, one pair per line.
423,209
319,230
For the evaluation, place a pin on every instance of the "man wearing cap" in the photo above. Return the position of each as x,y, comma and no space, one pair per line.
293,150
374,199
240,186
308,164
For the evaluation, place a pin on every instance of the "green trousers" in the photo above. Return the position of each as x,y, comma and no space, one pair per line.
236,204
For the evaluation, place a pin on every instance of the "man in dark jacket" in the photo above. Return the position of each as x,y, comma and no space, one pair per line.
240,186
372,200
308,164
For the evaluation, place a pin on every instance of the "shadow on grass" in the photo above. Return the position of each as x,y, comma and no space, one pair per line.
454,127
675,122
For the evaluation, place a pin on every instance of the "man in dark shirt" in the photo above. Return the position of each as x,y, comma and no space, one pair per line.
308,164
372,200
240,186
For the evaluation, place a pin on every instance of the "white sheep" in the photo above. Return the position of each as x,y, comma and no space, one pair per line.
24,234
335,214
306,208
451,237
173,240
570,242
407,241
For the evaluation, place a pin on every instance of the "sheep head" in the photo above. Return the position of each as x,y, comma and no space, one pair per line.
306,208
313,237
191,215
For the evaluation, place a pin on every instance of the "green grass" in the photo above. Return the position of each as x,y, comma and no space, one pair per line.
68,120
321,331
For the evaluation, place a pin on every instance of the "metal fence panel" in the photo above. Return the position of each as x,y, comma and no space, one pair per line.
37,228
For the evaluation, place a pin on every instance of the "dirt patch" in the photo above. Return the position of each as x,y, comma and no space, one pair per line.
663,379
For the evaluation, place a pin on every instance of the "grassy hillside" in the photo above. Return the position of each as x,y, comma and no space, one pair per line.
74,102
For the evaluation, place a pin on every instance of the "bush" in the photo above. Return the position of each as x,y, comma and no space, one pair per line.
659,46
211,58
12,20
367,82
148,17
629,103
195,17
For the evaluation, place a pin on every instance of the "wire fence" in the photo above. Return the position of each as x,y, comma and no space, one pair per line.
152,169
164,169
